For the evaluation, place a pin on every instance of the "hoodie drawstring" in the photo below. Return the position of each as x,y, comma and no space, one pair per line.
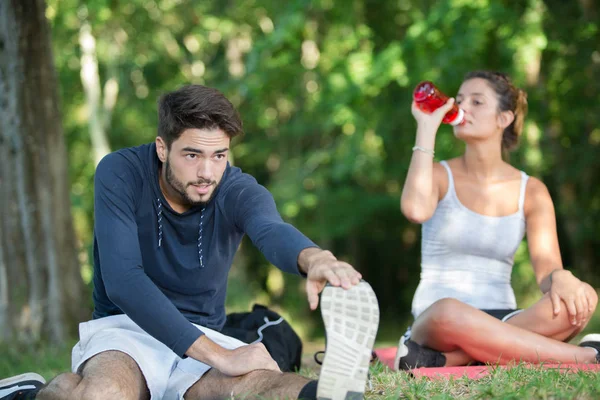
159,216
200,257
160,230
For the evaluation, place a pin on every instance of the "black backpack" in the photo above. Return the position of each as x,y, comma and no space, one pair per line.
268,327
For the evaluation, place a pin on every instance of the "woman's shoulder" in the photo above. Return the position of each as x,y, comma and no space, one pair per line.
536,195
535,187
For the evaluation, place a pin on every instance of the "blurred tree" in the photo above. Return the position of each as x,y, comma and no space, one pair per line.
40,283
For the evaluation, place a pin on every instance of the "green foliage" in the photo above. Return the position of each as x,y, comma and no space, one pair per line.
324,88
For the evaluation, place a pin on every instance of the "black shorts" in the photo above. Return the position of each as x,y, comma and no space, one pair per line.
502,314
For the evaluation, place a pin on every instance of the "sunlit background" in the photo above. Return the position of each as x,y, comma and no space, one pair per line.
324,89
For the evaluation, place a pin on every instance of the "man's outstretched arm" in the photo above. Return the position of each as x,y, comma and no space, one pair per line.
285,246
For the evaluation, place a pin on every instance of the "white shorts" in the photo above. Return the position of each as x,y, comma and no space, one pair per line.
167,375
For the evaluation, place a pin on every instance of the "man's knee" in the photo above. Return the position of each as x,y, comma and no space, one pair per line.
61,387
111,375
74,386
107,389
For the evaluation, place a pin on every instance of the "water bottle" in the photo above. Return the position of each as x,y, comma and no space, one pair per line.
429,98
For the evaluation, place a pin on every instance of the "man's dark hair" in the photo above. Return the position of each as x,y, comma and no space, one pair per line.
196,106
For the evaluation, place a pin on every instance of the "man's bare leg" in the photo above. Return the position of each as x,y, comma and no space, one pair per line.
465,333
108,375
261,384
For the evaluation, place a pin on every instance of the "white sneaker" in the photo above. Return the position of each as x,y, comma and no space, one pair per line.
411,355
592,340
401,352
351,319
11,387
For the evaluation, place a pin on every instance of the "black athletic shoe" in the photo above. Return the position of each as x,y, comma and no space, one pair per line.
17,387
412,355
351,319
592,340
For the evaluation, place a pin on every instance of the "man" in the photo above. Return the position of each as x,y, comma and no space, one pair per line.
169,217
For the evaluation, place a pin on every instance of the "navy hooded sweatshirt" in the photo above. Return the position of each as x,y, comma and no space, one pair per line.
167,270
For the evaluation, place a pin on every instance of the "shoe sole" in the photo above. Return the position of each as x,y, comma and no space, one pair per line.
351,319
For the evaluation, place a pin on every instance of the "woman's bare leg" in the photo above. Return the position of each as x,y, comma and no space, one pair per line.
465,333
538,318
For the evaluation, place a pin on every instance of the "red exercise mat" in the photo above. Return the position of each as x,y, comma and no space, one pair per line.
387,355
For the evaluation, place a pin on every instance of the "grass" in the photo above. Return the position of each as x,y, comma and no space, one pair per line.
47,361
520,382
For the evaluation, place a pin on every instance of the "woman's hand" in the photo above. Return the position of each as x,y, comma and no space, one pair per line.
579,297
431,121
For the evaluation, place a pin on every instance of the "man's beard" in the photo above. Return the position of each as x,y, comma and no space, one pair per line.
180,187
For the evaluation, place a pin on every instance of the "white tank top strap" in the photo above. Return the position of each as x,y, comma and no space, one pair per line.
450,178
524,179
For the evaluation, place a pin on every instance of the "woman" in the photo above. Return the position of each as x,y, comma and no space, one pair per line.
475,210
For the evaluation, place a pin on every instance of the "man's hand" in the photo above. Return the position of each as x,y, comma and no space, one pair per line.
246,359
235,362
321,267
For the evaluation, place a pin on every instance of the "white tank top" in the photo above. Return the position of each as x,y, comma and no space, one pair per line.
469,256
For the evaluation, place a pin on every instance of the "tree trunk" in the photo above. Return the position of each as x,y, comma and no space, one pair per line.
91,85
41,290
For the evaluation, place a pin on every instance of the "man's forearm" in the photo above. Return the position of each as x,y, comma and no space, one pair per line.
205,351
